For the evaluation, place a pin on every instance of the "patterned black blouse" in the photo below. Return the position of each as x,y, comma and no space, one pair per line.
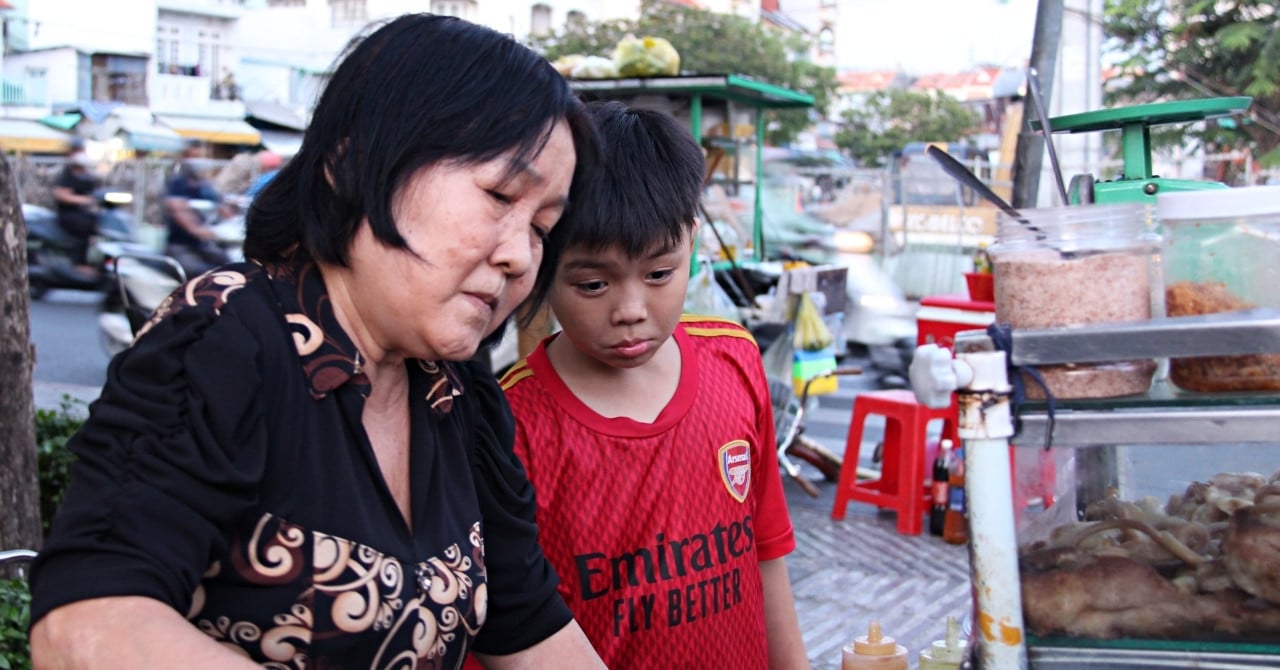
225,471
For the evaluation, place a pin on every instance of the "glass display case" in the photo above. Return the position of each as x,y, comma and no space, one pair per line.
1162,546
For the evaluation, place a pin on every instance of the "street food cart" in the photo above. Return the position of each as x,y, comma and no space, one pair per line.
1163,553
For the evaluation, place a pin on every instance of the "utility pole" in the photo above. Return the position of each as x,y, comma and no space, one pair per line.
1029,154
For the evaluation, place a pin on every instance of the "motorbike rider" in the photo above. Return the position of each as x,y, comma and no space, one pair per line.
76,206
191,242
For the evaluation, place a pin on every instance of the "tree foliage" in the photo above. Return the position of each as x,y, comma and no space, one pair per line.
888,120
1187,49
711,43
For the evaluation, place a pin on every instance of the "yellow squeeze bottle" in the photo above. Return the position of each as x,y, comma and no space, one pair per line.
945,654
874,651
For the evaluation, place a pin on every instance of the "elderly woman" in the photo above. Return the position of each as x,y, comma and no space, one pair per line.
295,465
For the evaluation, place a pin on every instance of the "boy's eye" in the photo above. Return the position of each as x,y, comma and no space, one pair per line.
594,286
659,275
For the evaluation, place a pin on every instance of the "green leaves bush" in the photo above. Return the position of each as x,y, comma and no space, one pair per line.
53,429
15,610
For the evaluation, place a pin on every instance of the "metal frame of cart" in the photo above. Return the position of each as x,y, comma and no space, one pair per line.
1162,416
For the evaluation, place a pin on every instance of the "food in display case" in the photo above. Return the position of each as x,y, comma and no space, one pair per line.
1221,253
1249,372
1203,565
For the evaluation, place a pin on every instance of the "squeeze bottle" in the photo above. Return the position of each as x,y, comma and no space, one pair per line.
945,654
874,651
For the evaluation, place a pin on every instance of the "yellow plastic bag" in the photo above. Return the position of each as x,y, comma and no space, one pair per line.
646,57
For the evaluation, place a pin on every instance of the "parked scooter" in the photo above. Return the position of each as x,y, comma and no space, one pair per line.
140,282
50,249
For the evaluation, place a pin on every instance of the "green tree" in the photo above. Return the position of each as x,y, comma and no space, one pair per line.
890,119
1186,49
711,43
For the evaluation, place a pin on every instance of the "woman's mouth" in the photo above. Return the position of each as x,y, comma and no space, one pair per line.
488,305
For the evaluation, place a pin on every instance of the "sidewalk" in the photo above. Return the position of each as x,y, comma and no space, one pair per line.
50,395
847,573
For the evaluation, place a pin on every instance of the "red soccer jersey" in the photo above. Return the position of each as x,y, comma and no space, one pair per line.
657,529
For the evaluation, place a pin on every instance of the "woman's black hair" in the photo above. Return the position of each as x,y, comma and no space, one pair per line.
643,197
416,90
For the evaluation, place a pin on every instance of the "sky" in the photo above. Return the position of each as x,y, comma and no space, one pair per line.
920,36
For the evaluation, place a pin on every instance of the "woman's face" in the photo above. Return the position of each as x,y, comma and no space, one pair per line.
477,234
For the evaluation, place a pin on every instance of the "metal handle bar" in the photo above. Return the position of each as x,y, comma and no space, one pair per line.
16,556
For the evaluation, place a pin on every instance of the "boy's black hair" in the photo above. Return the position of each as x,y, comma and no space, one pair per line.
416,91
643,197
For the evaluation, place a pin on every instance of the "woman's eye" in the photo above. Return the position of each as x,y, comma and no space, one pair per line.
541,232
500,197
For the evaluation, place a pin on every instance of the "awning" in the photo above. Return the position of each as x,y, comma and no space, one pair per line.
29,136
66,121
275,114
153,138
210,129
281,142
141,133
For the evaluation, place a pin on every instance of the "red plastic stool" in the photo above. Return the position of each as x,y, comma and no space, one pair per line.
901,485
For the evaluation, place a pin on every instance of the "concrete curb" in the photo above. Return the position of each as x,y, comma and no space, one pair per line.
50,395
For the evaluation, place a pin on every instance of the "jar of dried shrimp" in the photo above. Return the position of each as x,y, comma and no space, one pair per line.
1070,266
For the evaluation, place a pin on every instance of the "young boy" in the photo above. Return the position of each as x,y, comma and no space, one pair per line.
648,435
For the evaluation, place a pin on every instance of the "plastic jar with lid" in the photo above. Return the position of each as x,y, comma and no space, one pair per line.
1072,266
1222,254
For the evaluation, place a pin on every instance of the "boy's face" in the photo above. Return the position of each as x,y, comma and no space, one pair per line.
617,310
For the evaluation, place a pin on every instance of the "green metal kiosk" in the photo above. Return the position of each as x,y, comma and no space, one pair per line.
731,92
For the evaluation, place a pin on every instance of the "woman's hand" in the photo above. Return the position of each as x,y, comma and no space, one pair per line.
125,632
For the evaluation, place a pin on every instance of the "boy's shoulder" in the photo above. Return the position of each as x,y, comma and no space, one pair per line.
517,373
715,329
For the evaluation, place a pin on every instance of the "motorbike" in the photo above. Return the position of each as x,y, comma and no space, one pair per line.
141,279
132,278
226,221
140,282
50,264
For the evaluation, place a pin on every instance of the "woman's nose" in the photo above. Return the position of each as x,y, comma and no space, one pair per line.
515,252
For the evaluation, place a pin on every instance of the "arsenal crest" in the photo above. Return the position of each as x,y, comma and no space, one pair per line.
734,460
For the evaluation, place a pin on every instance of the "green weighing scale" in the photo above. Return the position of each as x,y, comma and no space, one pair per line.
1137,184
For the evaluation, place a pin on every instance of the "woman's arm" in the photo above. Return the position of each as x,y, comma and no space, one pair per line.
786,646
125,632
568,649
